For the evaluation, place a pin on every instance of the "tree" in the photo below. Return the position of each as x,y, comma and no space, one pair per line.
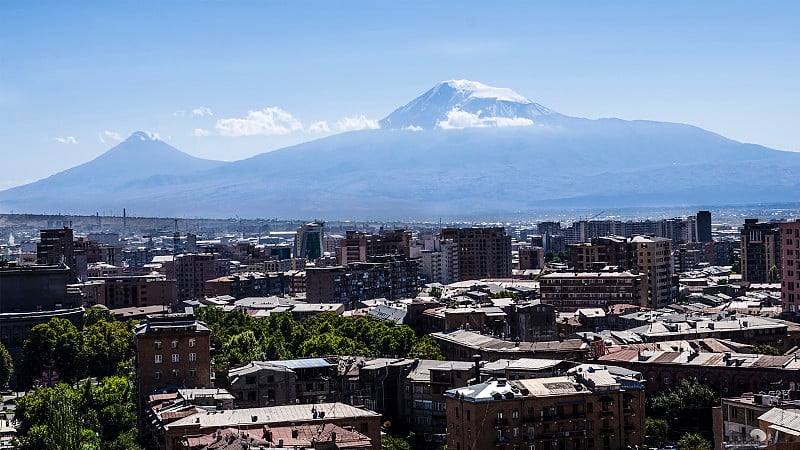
389,442
766,349
96,314
656,432
677,402
106,345
49,418
426,348
693,441
505,294
57,345
774,274
6,366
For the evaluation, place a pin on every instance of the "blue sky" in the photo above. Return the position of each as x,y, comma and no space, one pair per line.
77,76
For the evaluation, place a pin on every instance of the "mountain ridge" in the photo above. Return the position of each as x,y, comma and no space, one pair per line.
514,156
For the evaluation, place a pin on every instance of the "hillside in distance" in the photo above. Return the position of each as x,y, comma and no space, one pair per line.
462,148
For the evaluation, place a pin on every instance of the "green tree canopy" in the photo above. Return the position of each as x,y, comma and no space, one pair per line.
106,345
6,366
656,431
426,348
684,399
766,349
57,343
693,441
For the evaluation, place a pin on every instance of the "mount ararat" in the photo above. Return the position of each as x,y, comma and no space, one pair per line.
460,149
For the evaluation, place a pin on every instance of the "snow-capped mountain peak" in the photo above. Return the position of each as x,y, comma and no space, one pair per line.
456,104
475,89
142,136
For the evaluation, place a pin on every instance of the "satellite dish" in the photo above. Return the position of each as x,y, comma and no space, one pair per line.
758,435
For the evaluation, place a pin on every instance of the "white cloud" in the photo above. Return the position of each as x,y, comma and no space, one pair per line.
266,122
113,135
201,111
457,119
354,123
413,128
319,127
200,132
67,140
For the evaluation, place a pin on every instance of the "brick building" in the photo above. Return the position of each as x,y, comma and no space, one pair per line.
386,277
593,407
172,350
569,291
790,267
482,252
192,270
760,250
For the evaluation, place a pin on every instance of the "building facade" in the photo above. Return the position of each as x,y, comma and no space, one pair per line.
760,250
172,350
192,270
308,241
790,267
482,252
569,291
591,409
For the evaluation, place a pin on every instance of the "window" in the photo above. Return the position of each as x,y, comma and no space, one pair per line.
158,345
192,373
192,342
515,414
251,396
666,380
271,379
176,373
176,358
192,357
175,343
157,375
250,379
158,359
364,427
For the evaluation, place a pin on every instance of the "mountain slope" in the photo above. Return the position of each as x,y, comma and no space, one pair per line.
486,167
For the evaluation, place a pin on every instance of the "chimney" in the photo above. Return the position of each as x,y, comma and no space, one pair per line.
333,436
294,433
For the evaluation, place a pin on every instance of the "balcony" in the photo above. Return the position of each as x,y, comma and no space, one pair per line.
562,434
500,422
502,440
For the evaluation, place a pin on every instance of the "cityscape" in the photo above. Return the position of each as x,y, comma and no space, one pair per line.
377,226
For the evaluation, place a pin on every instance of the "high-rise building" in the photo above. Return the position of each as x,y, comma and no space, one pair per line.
389,277
56,247
790,267
704,226
192,270
654,260
531,258
482,252
308,241
359,246
761,250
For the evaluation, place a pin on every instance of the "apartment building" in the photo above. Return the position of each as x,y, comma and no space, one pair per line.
593,407
790,267
570,291
172,350
481,252
760,250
